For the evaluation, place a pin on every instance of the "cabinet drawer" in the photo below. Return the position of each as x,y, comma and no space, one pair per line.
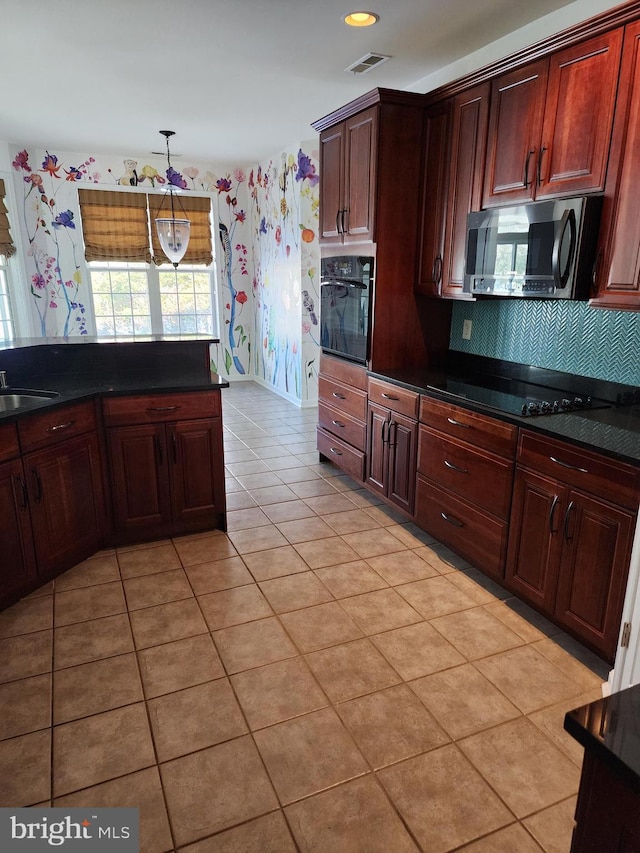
476,536
607,478
480,430
351,401
344,371
56,425
476,475
347,458
9,447
343,426
160,408
393,397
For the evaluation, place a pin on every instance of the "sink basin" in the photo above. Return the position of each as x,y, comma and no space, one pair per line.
23,398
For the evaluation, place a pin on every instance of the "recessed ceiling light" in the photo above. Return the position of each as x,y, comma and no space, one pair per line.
361,19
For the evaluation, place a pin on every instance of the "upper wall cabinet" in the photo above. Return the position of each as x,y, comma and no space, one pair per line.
618,265
550,124
347,179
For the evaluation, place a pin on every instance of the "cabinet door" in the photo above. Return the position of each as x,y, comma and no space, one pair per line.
197,473
576,133
535,539
67,502
403,448
434,199
360,176
332,146
17,565
468,145
378,427
515,123
139,471
595,562
618,269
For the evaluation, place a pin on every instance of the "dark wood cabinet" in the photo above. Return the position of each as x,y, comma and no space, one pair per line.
617,277
550,124
18,565
342,414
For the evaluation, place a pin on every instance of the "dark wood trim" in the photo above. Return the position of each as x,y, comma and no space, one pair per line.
375,96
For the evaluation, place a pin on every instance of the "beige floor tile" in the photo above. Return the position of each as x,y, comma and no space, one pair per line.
253,644
27,616
417,650
234,606
288,511
464,701
28,654
351,669
379,611
259,480
402,567
528,679
443,800
353,521
478,586
308,754
321,626
268,834
215,788
147,561
313,488
511,839
25,769
504,611
363,498
435,596
214,546
180,664
298,475
45,589
86,641
161,588
253,466
326,552
550,721
141,790
432,555
245,519
277,692
240,500
578,663
272,495
91,688
112,744
350,578
239,455
284,463
367,545
553,827
446,555
353,817
26,705
330,504
410,534
476,633
89,572
391,725
217,575
92,602
195,718
142,546
260,539
275,563
305,530
153,626
294,592
522,766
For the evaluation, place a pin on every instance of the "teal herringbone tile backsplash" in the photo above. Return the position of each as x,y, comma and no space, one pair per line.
554,334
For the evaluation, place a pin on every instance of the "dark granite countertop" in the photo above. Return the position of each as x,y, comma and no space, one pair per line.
84,340
610,727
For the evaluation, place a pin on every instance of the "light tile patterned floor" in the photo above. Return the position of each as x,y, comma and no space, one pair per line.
322,678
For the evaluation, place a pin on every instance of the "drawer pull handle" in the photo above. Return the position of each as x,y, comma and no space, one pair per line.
60,426
336,451
23,491
458,423
566,522
455,467
567,465
389,396
339,395
552,512
162,408
451,520
338,424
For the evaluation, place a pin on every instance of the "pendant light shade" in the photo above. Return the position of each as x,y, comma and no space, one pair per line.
173,231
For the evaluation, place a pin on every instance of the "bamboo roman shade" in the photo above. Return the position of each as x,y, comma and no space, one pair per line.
114,226
197,210
6,243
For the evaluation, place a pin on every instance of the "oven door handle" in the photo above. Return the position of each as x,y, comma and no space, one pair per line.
561,277
344,282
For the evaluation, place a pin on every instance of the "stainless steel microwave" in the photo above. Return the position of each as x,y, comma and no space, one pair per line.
544,250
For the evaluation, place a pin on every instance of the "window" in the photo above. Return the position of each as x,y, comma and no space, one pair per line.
7,329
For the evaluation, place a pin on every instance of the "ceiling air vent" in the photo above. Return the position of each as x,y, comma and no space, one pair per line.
367,62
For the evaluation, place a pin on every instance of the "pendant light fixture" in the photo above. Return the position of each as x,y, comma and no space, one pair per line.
173,232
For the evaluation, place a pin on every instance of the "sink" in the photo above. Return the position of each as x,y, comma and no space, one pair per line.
12,399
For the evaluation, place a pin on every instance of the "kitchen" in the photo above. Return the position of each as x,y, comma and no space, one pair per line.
460,312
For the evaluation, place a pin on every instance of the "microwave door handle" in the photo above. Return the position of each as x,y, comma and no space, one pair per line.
560,277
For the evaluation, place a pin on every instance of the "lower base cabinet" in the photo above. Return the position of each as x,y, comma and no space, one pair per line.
18,563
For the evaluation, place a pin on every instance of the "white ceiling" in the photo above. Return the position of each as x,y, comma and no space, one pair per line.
238,80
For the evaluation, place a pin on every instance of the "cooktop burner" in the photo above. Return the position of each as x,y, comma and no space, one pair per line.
516,397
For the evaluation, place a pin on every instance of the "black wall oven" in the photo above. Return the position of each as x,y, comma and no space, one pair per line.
346,285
